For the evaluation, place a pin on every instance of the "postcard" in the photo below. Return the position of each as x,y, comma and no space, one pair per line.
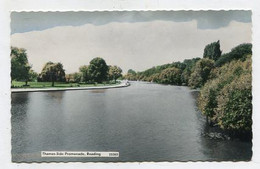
131,86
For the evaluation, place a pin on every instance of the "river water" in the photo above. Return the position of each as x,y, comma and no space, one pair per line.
143,122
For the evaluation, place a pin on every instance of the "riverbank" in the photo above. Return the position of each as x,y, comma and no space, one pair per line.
30,85
134,120
19,90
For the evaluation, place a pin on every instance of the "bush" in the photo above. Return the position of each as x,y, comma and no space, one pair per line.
235,104
240,52
207,99
130,76
226,99
170,76
154,78
201,73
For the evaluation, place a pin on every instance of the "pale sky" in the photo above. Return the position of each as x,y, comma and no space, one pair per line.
136,40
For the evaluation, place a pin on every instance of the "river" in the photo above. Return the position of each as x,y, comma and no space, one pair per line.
143,122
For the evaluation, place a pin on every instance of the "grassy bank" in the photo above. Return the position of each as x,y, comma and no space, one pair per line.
19,84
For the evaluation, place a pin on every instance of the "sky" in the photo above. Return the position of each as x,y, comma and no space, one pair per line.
131,40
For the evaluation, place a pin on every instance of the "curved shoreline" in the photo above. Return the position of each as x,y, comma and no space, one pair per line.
122,84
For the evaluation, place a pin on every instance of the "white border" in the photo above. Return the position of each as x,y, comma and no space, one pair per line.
91,5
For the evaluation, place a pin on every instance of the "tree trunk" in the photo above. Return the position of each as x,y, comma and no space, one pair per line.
52,79
26,82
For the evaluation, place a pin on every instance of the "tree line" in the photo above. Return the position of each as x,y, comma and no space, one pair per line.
224,81
96,72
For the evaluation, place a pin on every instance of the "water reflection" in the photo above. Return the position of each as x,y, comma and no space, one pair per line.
20,98
57,95
218,147
47,117
98,91
19,121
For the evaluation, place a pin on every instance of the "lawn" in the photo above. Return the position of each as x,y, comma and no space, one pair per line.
19,84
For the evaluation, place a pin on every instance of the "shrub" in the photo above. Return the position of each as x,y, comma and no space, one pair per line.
235,104
240,52
201,73
154,78
226,99
170,76
207,99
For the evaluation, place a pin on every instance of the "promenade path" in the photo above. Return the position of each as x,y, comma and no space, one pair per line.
19,90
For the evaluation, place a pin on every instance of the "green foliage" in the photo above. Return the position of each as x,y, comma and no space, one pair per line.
85,74
131,71
189,65
240,52
234,110
32,75
226,99
201,73
98,70
155,74
77,76
52,72
20,68
74,77
130,76
207,99
170,76
114,72
212,51
158,69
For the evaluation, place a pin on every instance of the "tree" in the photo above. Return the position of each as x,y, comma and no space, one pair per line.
98,70
20,68
239,52
85,74
77,76
201,73
212,51
227,99
32,75
74,77
130,76
131,71
235,104
154,78
114,72
189,65
52,72
171,76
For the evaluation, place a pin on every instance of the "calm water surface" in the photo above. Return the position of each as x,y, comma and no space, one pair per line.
144,122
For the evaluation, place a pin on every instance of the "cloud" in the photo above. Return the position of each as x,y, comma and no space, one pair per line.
138,45
38,21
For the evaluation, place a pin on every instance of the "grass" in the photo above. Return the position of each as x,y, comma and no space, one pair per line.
19,84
